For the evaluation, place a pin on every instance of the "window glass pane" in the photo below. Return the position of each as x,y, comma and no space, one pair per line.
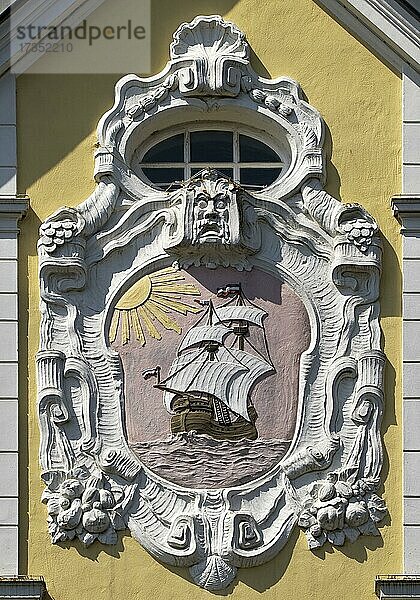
211,146
228,172
259,177
251,150
169,150
164,176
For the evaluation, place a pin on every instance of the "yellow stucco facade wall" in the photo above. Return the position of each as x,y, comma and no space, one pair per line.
360,99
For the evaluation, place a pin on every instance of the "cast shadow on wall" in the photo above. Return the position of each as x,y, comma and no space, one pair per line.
29,228
55,119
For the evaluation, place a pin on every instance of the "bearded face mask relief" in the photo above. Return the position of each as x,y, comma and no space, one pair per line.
211,210
211,219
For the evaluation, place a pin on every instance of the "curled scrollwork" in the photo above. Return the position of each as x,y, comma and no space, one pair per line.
127,236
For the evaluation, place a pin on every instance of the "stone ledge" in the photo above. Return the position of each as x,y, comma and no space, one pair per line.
14,206
397,587
22,588
406,208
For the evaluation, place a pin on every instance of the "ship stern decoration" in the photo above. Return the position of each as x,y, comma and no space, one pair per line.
233,332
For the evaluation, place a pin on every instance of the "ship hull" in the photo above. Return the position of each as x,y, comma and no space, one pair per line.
197,414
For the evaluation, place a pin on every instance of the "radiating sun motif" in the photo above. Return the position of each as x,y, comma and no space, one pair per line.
151,300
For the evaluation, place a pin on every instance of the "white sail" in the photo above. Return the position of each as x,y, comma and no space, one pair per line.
204,333
252,314
229,377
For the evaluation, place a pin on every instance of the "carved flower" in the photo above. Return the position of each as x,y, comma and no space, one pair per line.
258,95
306,519
134,110
71,489
95,521
284,110
274,103
70,518
326,492
376,507
331,516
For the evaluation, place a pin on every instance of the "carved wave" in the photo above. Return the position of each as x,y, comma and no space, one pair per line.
199,461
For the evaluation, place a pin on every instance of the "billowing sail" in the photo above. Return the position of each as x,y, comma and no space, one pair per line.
229,377
204,333
252,314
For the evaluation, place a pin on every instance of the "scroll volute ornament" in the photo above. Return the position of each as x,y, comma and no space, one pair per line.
142,256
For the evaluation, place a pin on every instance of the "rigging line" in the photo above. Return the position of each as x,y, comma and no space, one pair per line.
235,339
240,296
260,353
183,367
202,316
243,297
250,301
228,303
267,349
219,320
236,358
195,325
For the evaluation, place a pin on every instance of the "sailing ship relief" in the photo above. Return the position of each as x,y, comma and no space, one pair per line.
211,367
208,385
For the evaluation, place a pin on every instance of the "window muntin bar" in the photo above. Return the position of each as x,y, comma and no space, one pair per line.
231,151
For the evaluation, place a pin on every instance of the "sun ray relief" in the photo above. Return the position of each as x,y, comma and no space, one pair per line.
149,303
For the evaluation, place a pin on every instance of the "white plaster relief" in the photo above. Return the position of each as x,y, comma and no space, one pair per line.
328,252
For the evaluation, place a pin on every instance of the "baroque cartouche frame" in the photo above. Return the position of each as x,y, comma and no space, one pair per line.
327,251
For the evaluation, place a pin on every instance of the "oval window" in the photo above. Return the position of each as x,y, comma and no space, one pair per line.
176,158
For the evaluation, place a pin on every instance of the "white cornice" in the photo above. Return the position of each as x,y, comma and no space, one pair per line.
399,27
22,587
14,206
12,210
384,25
48,13
397,586
406,209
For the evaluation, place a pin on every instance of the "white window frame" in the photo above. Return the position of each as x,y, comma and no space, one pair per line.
186,129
